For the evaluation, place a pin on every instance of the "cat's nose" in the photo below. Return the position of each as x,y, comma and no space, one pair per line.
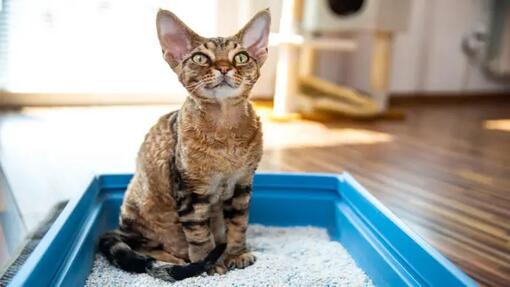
223,67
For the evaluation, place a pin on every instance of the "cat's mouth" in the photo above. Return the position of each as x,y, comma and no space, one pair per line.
224,82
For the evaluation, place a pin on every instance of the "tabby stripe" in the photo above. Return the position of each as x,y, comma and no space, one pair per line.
128,234
238,191
231,213
194,223
228,202
207,99
176,174
126,224
173,118
187,210
198,242
158,246
197,199
185,61
182,200
242,225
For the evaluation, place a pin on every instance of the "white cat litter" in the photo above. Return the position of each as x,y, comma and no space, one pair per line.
293,256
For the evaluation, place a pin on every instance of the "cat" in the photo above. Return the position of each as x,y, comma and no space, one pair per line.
185,211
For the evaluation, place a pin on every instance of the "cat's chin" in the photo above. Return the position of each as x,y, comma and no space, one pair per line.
222,91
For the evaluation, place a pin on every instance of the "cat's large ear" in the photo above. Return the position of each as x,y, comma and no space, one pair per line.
176,39
255,35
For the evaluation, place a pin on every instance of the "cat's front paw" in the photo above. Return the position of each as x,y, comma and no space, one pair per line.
218,268
242,260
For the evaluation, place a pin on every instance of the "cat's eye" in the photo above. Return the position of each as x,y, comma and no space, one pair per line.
241,58
200,58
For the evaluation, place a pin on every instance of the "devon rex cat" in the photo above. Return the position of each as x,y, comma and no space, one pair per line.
187,204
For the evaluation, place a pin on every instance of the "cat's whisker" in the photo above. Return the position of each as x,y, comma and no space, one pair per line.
197,86
192,85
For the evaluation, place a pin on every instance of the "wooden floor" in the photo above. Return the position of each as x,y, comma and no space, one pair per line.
444,172
444,169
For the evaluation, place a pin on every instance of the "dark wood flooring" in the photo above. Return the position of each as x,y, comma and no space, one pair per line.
445,172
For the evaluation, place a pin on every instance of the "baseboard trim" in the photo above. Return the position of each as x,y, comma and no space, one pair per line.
15,100
448,97
73,99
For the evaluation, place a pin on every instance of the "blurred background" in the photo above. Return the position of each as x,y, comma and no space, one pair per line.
410,96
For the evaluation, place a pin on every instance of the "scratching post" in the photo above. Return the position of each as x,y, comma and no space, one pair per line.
298,90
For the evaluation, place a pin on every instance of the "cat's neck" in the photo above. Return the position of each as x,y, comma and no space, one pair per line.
225,114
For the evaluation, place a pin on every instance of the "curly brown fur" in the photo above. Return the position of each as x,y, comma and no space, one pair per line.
192,186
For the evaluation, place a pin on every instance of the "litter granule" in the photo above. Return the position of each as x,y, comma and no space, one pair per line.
290,256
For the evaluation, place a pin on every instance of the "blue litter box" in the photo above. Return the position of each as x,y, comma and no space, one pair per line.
381,245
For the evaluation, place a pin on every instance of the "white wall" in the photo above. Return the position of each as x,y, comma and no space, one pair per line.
426,58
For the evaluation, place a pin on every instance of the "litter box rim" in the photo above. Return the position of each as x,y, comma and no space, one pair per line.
413,261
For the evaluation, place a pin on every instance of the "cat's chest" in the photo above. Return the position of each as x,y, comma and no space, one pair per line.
228,159
221,186
224,152
233,151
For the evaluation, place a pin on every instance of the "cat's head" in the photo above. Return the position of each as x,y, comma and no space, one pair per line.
215,68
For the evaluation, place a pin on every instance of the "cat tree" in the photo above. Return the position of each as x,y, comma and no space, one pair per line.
299,90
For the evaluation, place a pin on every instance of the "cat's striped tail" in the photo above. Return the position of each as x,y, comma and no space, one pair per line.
115,246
